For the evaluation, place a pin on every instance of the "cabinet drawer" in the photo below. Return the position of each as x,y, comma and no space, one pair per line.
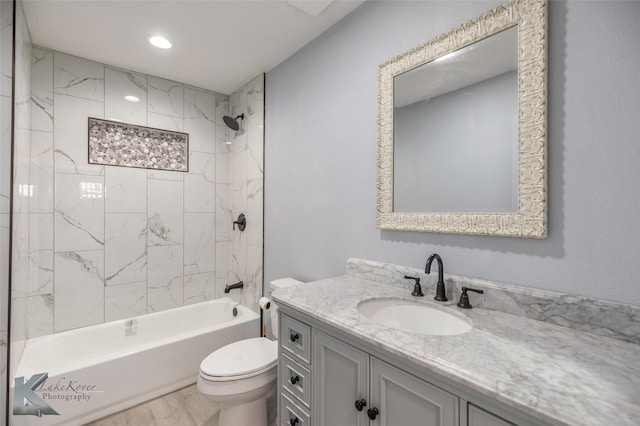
480,417
296,379
295,338
292,415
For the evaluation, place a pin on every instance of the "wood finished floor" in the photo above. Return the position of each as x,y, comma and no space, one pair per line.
184,407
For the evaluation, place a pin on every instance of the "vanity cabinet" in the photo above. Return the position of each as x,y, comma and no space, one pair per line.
327,381
387,396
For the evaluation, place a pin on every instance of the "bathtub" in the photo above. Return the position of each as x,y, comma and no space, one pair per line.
99,370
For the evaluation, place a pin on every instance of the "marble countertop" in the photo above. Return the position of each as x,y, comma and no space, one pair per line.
558,374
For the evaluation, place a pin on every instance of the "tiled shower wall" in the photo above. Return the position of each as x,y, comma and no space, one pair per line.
247,171
6,49
111,242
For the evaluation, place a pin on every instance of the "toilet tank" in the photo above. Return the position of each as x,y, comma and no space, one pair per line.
276,285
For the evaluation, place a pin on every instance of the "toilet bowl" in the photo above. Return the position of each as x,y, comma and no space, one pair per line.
241,376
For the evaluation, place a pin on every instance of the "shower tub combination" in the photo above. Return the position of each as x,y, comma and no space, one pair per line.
99,370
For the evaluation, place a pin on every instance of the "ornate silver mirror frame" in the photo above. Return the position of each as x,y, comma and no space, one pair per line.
530,220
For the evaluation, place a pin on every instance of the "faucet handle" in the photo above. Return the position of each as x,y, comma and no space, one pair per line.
464,299
417,289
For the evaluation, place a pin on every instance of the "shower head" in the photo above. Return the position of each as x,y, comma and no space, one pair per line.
232,123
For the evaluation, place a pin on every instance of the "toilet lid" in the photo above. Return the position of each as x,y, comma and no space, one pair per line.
241,358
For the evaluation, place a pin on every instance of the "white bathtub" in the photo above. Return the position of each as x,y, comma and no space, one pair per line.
111,369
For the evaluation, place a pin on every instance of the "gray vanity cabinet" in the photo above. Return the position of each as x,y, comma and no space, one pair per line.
403,399
343,375
321,377
340,377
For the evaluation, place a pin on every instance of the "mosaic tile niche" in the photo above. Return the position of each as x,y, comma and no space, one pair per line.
119,144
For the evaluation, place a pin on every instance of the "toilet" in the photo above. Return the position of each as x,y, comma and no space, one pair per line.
241,376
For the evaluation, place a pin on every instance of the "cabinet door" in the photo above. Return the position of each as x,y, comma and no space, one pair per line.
403,399
340,378
479,417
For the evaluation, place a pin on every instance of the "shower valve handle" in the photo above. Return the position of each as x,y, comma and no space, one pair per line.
241,222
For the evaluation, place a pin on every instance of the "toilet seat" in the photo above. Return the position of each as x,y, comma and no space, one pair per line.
240,360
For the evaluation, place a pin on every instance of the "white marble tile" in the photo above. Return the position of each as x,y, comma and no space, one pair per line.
240,200
39,315
118,84
199,120
42,89
165,97
125,248
125,301
253,277
4,277
42,172
77,77
199,288
165,214
6,48
40,272
254,212
20,255
165,278
125,190
255,151
70,123
18,319
165,122
224,213
239,169
22,189
5,153
223,167
224,139
255,96
223,259
238,138
238,102
200,183
199,243
222,108
79,212
79,289
22,76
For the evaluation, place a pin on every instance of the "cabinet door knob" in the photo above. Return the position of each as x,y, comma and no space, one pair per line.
294,337
294,379
372,413
293,421
360,404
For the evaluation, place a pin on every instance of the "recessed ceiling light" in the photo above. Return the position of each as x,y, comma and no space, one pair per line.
159,41
132,98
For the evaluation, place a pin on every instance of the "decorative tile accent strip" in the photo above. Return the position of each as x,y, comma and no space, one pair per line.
594,316
113,143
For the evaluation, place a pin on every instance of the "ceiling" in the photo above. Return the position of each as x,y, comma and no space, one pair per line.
217,44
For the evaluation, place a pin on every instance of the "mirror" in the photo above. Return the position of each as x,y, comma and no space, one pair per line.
462,129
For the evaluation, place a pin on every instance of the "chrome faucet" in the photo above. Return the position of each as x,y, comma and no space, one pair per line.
440,292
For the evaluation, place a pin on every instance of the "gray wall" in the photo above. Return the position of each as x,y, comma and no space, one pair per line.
320,153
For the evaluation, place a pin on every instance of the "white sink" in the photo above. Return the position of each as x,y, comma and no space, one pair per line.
414,317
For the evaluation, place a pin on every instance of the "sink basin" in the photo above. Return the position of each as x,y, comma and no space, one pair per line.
414,317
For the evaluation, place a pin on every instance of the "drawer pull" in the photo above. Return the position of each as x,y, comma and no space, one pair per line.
372,413
360,404
294,337
294,379
294,421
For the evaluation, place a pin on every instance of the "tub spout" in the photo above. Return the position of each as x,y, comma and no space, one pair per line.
230,287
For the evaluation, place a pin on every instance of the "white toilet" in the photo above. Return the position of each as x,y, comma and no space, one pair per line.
242,375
